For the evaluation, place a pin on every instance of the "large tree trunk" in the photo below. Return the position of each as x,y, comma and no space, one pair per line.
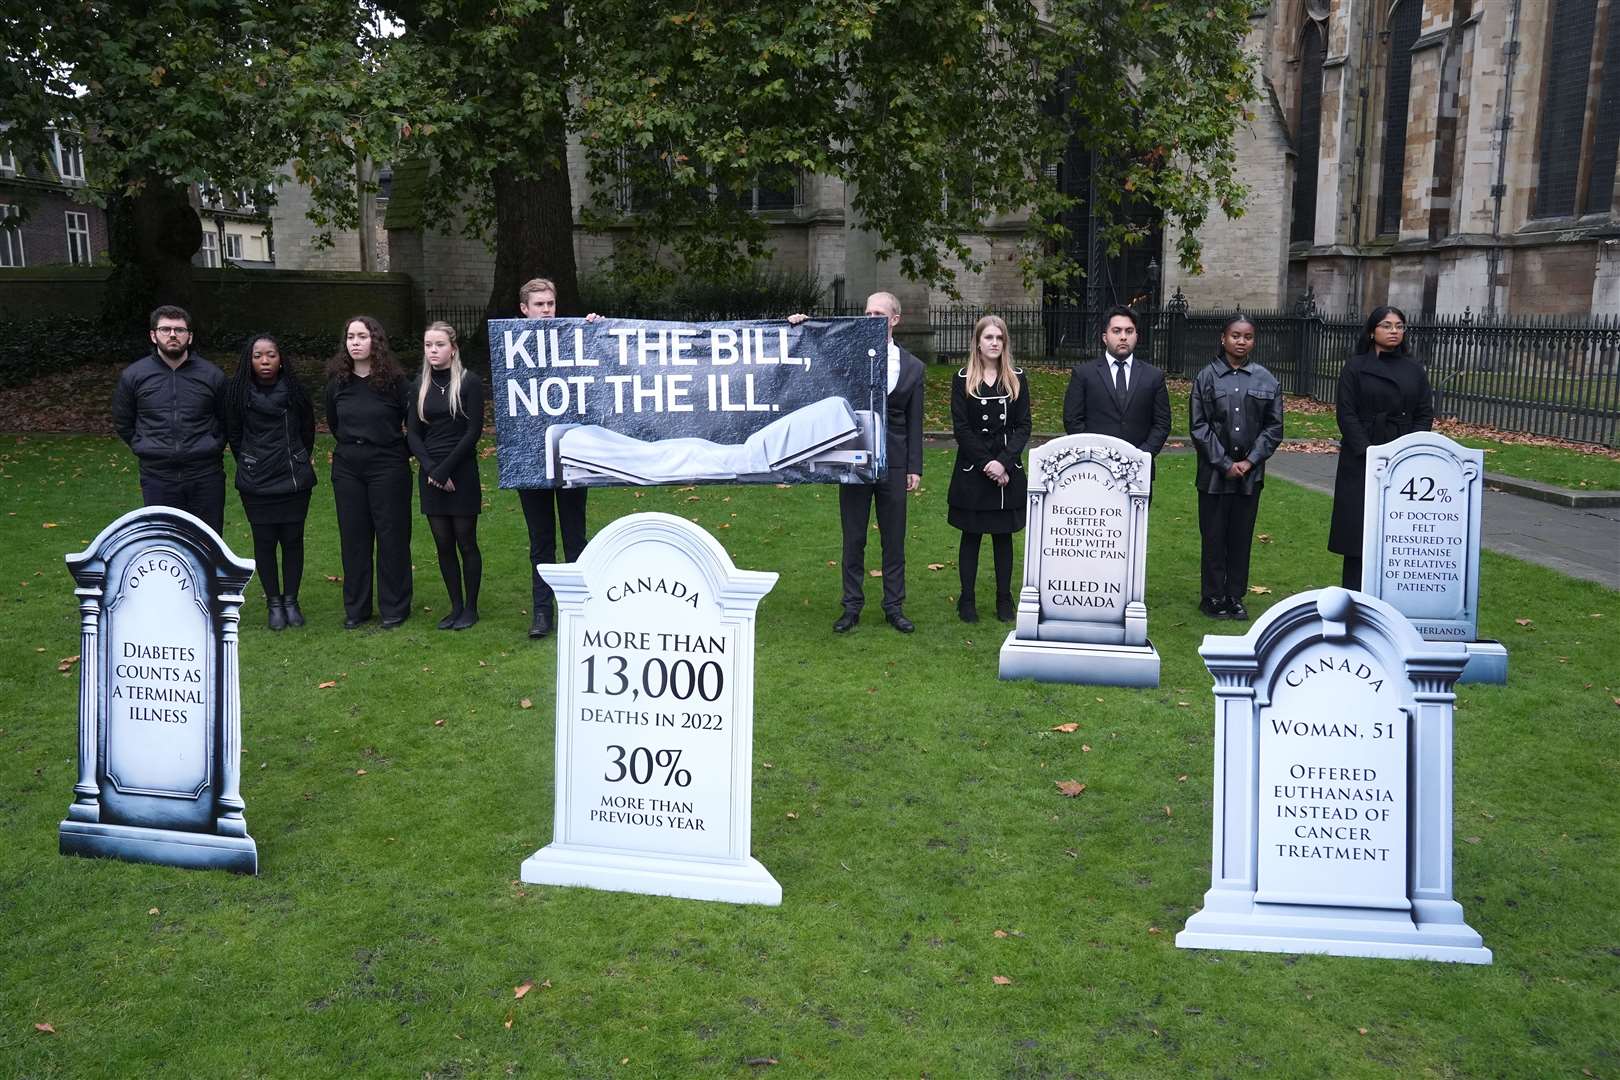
534,229
152,236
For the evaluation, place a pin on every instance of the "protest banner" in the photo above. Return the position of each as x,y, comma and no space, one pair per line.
625,401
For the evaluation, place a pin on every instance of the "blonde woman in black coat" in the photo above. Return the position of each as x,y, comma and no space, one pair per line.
991,420
1383,394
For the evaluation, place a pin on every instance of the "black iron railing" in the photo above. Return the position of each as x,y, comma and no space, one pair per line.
1557,376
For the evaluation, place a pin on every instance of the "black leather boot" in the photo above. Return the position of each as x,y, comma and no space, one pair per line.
289,606
278,613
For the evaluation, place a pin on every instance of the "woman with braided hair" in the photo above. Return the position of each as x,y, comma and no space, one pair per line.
270,428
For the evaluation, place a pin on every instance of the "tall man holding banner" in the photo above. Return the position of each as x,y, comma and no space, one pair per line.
546,508
903,475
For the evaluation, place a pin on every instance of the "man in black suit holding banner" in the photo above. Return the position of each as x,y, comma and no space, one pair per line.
1119,394
903,444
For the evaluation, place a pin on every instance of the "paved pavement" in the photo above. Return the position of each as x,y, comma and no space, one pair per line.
1583,543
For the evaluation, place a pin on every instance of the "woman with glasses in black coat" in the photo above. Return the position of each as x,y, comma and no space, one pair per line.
1383,394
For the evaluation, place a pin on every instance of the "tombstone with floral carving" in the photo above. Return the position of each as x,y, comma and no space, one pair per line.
1081,616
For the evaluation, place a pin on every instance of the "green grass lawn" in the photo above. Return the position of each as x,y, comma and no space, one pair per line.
386,932
1591,468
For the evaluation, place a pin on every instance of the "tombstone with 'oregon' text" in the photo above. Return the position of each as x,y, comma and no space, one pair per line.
159,707
1333,786
655,717
1081,616
1420,542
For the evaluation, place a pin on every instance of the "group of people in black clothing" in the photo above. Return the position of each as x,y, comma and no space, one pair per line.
178,413
1235,423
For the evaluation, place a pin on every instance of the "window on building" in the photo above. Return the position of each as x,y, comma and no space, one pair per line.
8,160
78,238
1405,22
68,151
1606,125
1563,106
1579,137
233,246
11,245
210,249
1308,138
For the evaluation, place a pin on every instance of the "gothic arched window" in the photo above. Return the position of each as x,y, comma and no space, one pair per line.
1405,21
1308,137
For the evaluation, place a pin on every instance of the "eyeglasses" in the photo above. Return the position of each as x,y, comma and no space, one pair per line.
172,331
1391,326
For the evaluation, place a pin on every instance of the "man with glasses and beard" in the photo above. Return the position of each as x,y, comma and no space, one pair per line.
169,408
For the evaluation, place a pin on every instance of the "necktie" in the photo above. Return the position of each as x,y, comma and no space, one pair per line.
1119,380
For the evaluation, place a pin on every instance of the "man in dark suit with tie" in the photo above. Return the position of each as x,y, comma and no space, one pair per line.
1119,394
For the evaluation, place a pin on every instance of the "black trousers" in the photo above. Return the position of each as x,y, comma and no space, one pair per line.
854,511
372,488
543,510
1226,523
200,493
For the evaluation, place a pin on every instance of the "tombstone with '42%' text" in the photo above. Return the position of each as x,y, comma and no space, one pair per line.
1420,542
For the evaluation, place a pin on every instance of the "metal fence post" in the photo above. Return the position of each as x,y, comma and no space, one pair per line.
1307,341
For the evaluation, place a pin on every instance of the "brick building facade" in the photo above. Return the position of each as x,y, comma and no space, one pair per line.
41,222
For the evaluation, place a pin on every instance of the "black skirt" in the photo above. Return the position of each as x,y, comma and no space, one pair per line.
276,509
465,501
1010,520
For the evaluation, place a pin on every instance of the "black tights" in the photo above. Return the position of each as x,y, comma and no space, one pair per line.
453,536
289,536
967,561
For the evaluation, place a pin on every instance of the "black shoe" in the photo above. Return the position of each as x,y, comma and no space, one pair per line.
541,626
967,609
393,622
468,616
353,621
295,617
1235,609
1006,610
1214,607
278,613
449,621
846,621
900,622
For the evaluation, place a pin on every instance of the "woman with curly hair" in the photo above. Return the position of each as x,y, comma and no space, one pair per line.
371,473
270,428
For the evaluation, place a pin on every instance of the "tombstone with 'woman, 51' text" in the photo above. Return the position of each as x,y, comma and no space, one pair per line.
1333,786
159,707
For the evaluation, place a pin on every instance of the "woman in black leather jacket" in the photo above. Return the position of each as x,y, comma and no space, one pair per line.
270,427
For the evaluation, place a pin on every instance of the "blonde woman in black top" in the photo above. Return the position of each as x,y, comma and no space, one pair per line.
446,417
371,473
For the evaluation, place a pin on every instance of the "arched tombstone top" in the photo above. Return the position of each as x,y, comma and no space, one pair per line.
229,572
730,587
1124,467
1333,617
